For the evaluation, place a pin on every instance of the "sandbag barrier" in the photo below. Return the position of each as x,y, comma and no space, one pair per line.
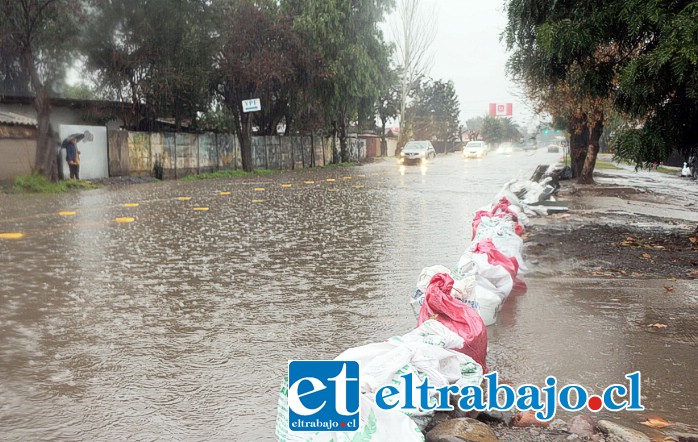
449,344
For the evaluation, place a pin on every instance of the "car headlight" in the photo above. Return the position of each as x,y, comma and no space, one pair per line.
402,154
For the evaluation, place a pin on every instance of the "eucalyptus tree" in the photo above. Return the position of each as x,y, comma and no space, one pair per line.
581,59
39,38
159,62
349,57
255,58
436,111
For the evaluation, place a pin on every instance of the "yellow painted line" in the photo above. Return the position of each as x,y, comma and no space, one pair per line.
346,177
201,209
333,189
131,205
359,186
184,198
361,176
258,189
287,185
11,235
125,219
309,182
331,180
224,193
67,213
258,201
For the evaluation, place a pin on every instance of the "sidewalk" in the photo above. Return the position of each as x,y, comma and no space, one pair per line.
613,288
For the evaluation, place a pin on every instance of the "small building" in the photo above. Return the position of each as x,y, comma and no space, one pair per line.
17,145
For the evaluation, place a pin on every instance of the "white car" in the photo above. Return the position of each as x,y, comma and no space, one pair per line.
505,148
417,151
475,149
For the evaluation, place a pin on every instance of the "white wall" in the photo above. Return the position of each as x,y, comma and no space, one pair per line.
94,159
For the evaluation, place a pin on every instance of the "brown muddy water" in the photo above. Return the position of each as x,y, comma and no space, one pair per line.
179,324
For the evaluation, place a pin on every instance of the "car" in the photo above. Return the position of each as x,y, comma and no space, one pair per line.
531,145
554,148
417,151
505,148
475,149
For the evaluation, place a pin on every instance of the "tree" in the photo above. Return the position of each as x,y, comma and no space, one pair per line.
161,63
388,105
40,36
629,56
350,56
436,111
252,61
657,89
551,57
492,131
413,34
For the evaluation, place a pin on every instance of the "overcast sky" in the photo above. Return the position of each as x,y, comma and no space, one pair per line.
468,51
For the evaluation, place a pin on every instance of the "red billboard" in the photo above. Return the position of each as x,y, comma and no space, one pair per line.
500,109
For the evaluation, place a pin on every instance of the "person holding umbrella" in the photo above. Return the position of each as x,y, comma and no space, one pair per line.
72,154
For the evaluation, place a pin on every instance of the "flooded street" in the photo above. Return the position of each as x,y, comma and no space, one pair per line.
177,321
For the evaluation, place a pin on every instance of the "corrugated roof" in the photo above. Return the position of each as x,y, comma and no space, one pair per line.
16,119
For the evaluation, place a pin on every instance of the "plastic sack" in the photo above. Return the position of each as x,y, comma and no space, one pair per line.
457,316
494,277
497,257
488,304
431,350
504,238
375,424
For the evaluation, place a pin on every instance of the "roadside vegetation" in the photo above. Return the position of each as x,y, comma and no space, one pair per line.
626,66
318,67
229,174
36,183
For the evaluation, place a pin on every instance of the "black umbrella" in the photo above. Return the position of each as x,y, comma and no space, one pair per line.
77,137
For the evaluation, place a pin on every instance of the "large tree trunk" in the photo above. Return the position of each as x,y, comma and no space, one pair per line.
384,143
245,139
595,131
342,135
45,162
579,142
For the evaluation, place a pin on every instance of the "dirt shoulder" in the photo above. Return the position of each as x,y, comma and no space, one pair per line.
640,225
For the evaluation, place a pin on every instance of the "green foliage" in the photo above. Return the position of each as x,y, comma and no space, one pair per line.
495,130
156,54
80,91
436,111
36,183
219,174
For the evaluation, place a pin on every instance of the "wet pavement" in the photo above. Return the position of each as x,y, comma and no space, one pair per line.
174,317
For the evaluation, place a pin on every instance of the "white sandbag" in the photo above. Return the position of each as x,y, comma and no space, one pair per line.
495,277
426,275
463,286
427,351
488,304
502,232
375,424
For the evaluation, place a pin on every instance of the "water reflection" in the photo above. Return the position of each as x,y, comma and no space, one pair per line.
182,322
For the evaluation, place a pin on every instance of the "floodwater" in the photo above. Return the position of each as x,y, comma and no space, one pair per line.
178,323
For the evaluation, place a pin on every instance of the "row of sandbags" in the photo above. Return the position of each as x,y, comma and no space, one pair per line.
432,350
449,344
467,297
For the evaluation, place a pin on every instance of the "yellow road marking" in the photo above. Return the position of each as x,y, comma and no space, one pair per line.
12,235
